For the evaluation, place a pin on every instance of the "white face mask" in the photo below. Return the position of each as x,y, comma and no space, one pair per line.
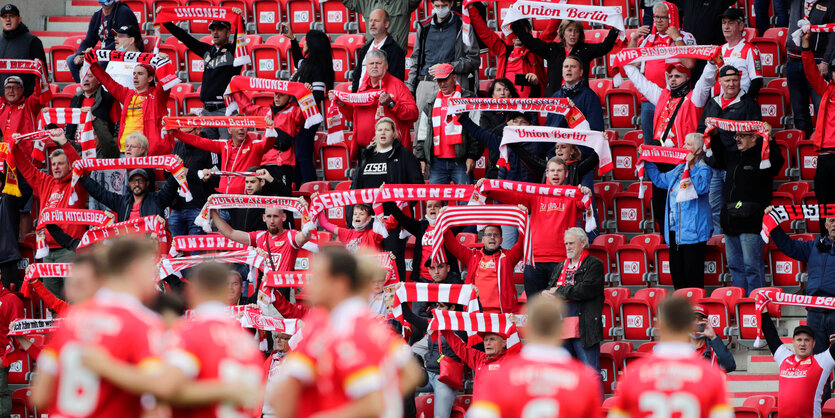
441,12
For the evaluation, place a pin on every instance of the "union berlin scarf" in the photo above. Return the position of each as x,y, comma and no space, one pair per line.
631,55
233,311
422,192
22,327
781,214
67,115
476,322
249,257
41,270
667,155
164,70
341,198
34,67
547,9
561,280
575,118
804,26
232,201
572,192
260,321
285,279
303,96
165,162
757,127
775,297
174,14
255,122
464,295
335,120
39,137
506,215
213,242
65,216
545,134
152,224
227,173
451,129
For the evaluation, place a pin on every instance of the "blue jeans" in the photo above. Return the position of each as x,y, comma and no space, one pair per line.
510,234
781,10
181,222
444,170
801,92
647,121
717,199
589,356
536,279
745,259
75,70
444,396
305,169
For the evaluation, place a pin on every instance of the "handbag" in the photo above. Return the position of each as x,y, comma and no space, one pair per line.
452,372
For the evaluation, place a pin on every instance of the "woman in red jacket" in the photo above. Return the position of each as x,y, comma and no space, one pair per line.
142,107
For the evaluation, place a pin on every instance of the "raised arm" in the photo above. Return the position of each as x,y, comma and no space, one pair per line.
472,358
459,251
798,250
770,332
494,43
189,41
537,46
287,309
98,192
199,142
600,49
647,88
229,232
407,222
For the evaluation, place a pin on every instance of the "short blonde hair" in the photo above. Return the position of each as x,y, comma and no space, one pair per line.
140,138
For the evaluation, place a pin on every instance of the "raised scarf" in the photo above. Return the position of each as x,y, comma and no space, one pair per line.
772,296
547,9
451,130
335,120
632,55
497,323
667,155
804,26
234,201
173,14
67,115
506,215
757,127
65,216
545,134
151,224
254,122
464,295
223,173
422,192
285,279
564,272
303,96
559,106
250,319
250,257
20,66
780,214
341,198
41,270
164,70
23,327
164,162
212,242
569,192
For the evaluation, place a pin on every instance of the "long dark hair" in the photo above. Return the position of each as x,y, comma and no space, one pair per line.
506,83
318,55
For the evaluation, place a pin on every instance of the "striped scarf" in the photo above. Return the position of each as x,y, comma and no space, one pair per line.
334,118
234,201
757,127
780,214
285,279
804,26
164,69
213,242
545,134
571,192
67,115
505,215
633,55
164,162
496,323
303,96
449,131
250,257
41,270
172,14
464,295
19,66
152,224
251,319
66,216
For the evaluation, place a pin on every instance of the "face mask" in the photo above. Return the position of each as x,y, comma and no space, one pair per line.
121,48
107,3
442,12
696,337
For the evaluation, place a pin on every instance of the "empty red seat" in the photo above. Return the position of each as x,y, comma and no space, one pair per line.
267,15
638,314
613,298
335,17
612,354
604,193
631,212
692,294
336,161
300,14
600,87
747,320
604,247
773,107
633,260
622,106
764,404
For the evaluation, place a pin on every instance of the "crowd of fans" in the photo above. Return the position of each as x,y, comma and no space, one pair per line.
398,133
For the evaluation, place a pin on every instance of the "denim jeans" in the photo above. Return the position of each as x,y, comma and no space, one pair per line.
75,70
305,169
717,199
801,92
781,10
444,396
444,170
588,356
745,259
181,222
647,121
510,234
215,133
536,279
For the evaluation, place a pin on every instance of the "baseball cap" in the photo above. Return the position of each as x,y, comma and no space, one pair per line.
443,71
727,70
13,79
733,14
130,30
700,310
10,8
803,329
678,66
138,172
223,23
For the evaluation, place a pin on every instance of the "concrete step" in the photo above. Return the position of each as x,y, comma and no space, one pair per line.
81,7
52,38
762,364
741,386
67,23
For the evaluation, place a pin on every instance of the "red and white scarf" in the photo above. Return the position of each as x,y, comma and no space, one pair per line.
164,70
222,173
66,216
571,192
757,127
506,215
303,96
575,118
285,279
67,115
249,257
262,322
561,280
335,120
773,297
233,311
19,66
780,214
341,198
39,137
172,14
463,295
423,192
164,162
805,26
254,122
496,323
210,242
549,9
234,201
440,126
632,55
41,270
545,134
667,155
152,224
22,327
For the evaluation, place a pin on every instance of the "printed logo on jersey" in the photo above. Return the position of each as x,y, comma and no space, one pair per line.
375,168
489,264
552,206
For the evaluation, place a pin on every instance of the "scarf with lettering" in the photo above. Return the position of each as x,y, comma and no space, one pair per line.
450,130
164,162
545,134
232,310
285,279
67,115
303,96
774,297
20,66
463,295
223,173
41,270
632,55
495,323
334,118
559,106
250,257
341,198
173,14
164,70
65,216
568,192
505,215
780,214
667,155
254,122
39,137
262,322
23,327
422,192
212,242
151,224
233,201
804,26
547,9
757,127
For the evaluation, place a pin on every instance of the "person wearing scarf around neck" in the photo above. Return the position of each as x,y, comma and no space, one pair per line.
368,231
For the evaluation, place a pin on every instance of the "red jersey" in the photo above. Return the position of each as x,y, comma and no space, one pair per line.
355,239
282,247
801,382
426,251
211,346
289,120
344,355
674,381
541,381
116,322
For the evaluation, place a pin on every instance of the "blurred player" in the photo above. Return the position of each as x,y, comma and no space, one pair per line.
674,380
346,364
543,380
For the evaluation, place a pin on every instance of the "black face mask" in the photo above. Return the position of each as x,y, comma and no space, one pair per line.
680,91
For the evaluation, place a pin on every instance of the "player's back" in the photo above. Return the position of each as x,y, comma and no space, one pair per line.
541,381
117,323
673,382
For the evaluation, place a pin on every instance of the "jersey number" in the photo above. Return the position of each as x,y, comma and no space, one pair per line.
662,405
541,408
78,392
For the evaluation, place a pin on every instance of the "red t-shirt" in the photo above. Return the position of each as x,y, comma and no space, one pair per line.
211,346
119,324
487,282
426,251
355,240
134,210
541,381
801,382
282,247
672,381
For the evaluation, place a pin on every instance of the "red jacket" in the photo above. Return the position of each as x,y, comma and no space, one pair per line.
824,140
50,300
404,113
287,309
501,47
288,121
11,308
507,262
153,110
22,118
52,192
476,359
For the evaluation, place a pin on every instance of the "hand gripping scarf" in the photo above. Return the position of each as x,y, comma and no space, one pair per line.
303,96
505,215
65,216
804,26
567,192
334,118
67,115
463,295
545,9
174,14
544,134
496,323
249,257
164,69
22,327
667,155
757,127
254,122
233,201
573,116
212,242
20,66
780,214
773,297
633,55
41,270
165,162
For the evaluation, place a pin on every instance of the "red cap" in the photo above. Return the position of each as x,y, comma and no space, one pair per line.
680,67
151,69
700,310
443,71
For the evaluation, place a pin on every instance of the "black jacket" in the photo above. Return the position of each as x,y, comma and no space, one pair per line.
724,357
401,168
101,110
587,294
121,15
22,44
195,159
219,63
742,108
154,203
395,56
432,358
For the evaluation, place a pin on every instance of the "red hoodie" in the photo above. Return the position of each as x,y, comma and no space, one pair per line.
477,360
11,308
22,118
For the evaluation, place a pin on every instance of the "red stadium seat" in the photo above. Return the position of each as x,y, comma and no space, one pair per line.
622,106
747,319
480,169
624,155
344,55
636,137
638,313
604,247
266,61
715,261
785,271
21,406
336,161
631,212
139,9
61,100
796,188
199,26
718,313
773,107
461,405
236,3
58,55
335,17
300,14
627,10
750,33
612,354
771,56
194,67
192,103
633,260
604,193
692,294
20,367
613,298
311,187
600,87
661,260
71,88
267,15
764,404
807,159
792,137
746,412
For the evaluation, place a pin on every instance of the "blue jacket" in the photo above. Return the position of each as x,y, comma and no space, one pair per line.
585,100
122,15
820,264
517,171
692,217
